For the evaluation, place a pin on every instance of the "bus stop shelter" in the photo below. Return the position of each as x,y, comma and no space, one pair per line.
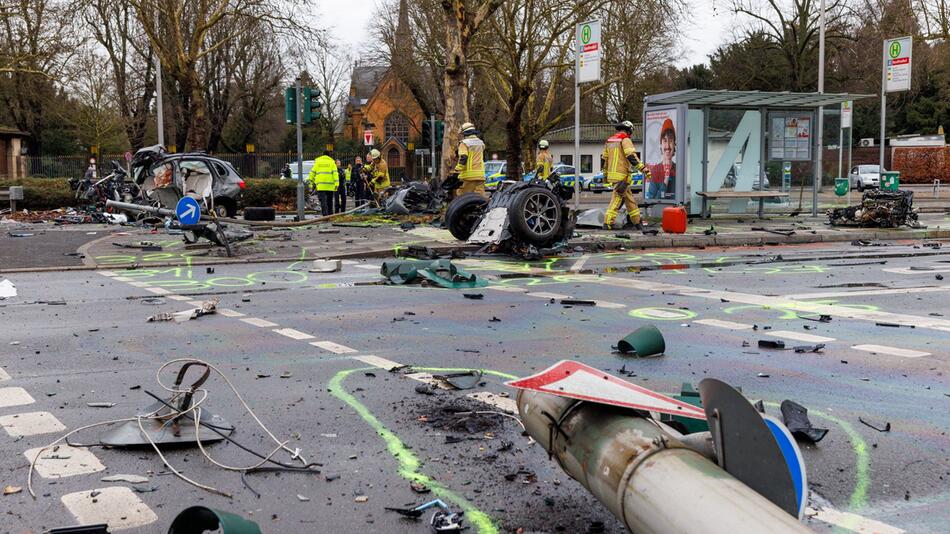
776,127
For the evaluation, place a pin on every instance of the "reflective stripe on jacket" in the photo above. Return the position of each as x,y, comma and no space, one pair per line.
618,167
380,175
474,168
544,161
323,176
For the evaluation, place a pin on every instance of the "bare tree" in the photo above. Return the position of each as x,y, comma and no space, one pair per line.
255,81
96,119
331,75
462,20
182,34
114,27
935,15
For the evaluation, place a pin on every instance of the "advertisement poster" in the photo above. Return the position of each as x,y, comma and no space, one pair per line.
659,152
790,136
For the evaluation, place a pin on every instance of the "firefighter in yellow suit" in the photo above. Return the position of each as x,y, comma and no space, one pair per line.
544,161
619,160
471,162
379,172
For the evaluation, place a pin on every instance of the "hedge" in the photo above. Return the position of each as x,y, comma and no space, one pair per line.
43,193
270,192
922,165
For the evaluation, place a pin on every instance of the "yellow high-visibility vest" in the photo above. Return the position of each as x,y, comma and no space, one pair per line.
545,160
474,168
323,176
618,147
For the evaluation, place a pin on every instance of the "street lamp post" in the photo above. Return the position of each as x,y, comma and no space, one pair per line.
821,112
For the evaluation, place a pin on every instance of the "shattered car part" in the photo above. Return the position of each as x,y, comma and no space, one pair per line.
414,197
101,528
446,521
466,380
325,266
795,417
644,341
199,519
443,273
878,209
7,289
207,307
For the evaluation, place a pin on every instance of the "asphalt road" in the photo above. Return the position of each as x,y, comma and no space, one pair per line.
69,339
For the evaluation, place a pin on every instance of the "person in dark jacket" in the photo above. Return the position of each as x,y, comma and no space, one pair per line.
358,181
340,201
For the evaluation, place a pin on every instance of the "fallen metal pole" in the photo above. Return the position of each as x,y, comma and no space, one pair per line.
275,224
642,474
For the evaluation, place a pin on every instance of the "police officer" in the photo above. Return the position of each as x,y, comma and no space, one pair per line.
324,179
618,160
339,205
359,181
471,161
544,161
379,174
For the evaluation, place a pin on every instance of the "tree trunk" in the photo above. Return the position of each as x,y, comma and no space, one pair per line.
513,129
456,94
197,110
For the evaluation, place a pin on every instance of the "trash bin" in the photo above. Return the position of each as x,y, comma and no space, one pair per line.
890,180
841,186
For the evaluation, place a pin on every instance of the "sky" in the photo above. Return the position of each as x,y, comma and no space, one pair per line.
709,26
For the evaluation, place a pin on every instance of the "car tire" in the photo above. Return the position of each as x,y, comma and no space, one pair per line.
463,213
536,217
260,214
860,187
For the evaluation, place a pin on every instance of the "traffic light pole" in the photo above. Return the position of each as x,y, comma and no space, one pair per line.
301,188
432,147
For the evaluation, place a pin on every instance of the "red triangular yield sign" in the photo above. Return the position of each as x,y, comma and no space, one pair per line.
578,381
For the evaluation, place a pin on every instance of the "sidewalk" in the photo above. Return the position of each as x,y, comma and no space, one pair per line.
102,246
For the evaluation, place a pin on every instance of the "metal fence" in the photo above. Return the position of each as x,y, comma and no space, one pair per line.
254,165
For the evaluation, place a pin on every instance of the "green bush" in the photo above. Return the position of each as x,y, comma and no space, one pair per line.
43,193
270,192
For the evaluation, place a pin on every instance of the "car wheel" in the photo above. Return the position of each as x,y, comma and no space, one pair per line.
860,187
463,213
536,216
225,207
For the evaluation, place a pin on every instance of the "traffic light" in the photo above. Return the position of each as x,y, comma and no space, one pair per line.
315,104
311,104
439,131
426,134
290,105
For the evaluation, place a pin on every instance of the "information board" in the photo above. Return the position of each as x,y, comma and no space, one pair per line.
790,136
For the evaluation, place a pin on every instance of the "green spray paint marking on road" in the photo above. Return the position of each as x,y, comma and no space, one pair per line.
862,476
409,464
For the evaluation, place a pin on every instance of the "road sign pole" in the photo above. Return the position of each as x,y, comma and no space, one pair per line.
577,141
883,104
432,147
819,156
301,187
640,471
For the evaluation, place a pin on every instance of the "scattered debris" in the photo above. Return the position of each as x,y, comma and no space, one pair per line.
777,231
894,325
763,375
301,498
796,420
100,404
7,289
10,490
425,389
419,487
821,318
809,348
465,380
154,301
473,296
644,342
131,479
101,528
207,307
443,273
145,246
578,302
885,428
200,519
361,498
881,209
771,344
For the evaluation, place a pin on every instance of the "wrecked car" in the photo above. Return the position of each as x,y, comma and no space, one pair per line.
414,197
878,209
519,214
224,195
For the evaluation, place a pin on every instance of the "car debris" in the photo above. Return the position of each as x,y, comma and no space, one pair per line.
463,380
414,197
100,404
578,302
11,490
131,479
7,289
443,273
419,487
885,428
326,266
199,519
795,417
809,348
771,344
443,520
643,342
878,209
145,246
99,528
473,296
207,307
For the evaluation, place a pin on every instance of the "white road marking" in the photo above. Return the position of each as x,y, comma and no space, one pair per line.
14,396
123,279
376,361
65,461
509,289
579,264
368,266
259,322
157,290
3,375
798,336
107,273
180,298
609,305
115,505
908,270
504,404
196,303
349,262
869,292
31,424
852,522
724,324
543,295
333,347
139,284
893,351
293,334
230,313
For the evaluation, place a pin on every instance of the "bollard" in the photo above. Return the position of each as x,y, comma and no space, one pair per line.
642,474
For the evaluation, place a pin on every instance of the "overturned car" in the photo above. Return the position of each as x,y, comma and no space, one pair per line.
519,216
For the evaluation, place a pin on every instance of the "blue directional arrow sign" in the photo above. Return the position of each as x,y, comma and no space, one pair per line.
188,211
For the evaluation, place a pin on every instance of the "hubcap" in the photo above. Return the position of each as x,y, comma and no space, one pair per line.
540,212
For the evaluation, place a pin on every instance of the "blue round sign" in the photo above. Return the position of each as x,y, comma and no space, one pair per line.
188,211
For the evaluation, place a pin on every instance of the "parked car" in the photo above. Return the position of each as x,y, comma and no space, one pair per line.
597,184
730,180
307,165
495,172
226,184
564,171
865,176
